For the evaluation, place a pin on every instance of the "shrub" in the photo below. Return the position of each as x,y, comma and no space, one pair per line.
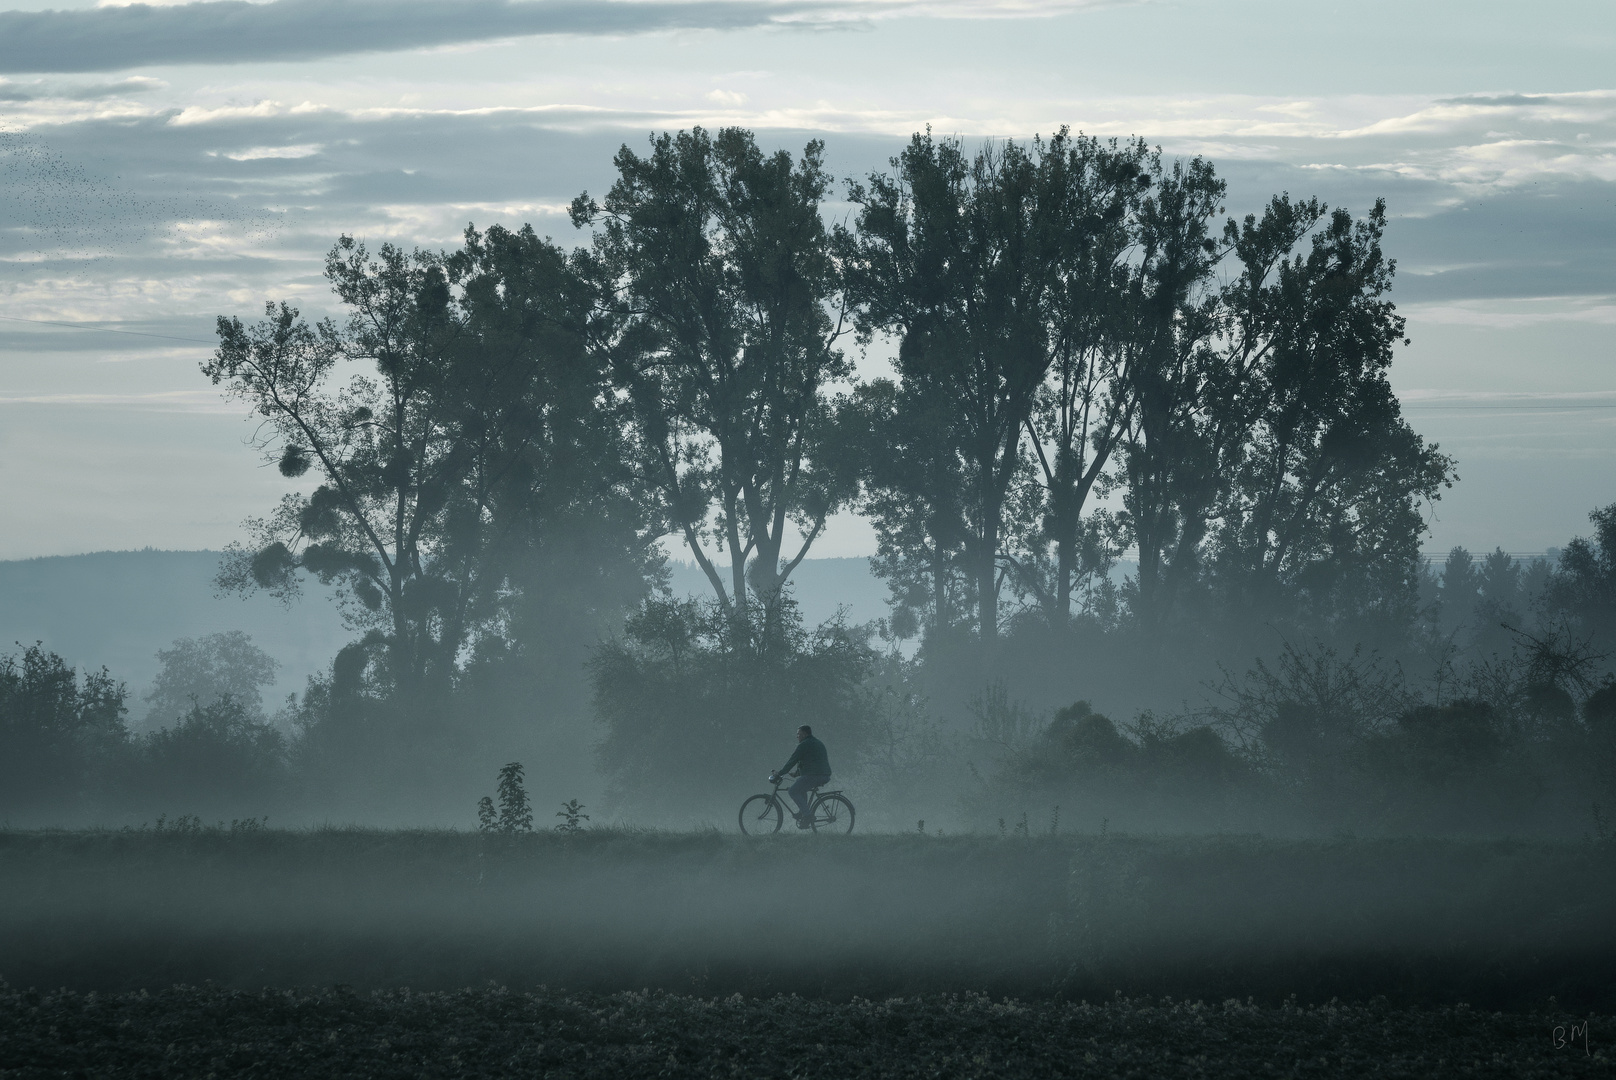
1077,744
1196,761
1314,702
1157,769
1457,739
1084,736
571,813
1599,711
515,809
218,758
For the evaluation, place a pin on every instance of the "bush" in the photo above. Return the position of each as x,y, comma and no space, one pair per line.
218,759
1193,762
1157,772
1599,711
1078,744
1453,741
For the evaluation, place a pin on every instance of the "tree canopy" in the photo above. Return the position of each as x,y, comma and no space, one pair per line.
719,317
1089,358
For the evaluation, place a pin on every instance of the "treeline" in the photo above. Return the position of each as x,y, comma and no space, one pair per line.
69,753
1089,356
1497,716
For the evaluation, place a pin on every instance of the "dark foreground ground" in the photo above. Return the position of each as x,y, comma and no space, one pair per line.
190,1032
706,954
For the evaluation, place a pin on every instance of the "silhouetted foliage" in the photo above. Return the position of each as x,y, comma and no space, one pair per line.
58,733
990,271
1582,589
1080,759
1063,334
515,813
201,671
477,504
1090,355
515,809
717,284
1476,610
483,425
571,813
219,758
1456,739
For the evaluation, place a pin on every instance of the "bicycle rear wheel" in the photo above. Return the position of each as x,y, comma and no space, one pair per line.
833,814
760,815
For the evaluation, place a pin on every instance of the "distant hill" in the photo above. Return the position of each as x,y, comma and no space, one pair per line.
820,586
117,608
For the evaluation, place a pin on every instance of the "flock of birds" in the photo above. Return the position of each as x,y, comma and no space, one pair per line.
55,208
65,220
67,213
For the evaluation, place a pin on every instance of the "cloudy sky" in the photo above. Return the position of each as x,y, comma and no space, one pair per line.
162,165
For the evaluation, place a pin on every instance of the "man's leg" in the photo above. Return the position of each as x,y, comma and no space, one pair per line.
799,793
803,785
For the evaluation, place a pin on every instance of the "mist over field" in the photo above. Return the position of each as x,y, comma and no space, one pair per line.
711,914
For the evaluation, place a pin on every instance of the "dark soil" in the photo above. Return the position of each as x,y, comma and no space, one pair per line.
198,1032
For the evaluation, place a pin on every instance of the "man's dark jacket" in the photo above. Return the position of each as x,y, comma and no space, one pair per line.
810,754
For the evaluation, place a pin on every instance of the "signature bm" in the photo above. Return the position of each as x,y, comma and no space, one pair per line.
1567,1036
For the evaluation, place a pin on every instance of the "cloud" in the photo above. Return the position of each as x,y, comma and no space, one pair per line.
112,38
264,153
1509,313
256,190
232,31
39,90
164,400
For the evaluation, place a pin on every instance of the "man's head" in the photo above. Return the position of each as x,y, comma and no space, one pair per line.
803,732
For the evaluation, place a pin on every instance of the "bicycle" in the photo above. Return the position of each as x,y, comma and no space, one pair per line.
828,812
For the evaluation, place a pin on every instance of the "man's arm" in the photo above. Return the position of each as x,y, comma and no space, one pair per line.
795,755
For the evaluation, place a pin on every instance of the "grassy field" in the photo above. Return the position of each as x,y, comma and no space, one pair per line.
684,951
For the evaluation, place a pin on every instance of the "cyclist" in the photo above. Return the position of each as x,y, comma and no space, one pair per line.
813,770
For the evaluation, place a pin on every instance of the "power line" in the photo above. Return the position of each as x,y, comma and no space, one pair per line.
1407,407
1511,554
1433,558
106,329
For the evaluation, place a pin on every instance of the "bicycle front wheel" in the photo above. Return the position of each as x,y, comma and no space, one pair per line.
760,815
833,814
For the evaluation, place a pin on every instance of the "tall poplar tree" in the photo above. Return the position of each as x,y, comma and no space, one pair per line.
952,255
1085,407
720,315
992,271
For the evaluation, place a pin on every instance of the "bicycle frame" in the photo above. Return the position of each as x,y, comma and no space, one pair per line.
787,807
